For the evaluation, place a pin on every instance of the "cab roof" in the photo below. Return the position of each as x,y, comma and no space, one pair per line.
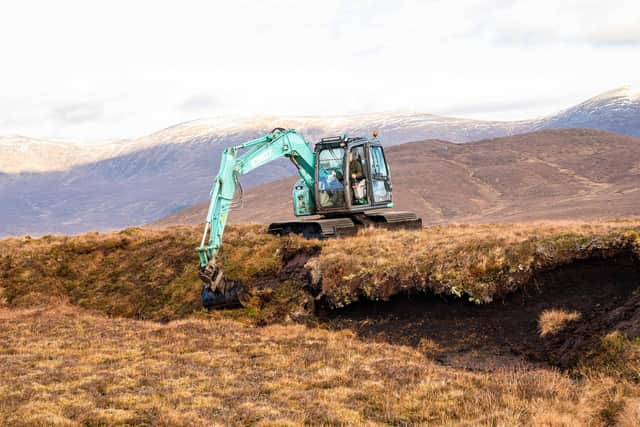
343,141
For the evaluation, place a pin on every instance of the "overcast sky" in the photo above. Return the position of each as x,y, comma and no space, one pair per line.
119,69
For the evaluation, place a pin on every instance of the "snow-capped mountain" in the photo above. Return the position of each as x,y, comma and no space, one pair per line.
24,154
614,111
70,187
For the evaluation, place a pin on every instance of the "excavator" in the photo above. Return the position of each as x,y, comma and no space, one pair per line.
344,181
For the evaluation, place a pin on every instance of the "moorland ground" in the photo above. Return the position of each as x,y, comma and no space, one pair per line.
107,329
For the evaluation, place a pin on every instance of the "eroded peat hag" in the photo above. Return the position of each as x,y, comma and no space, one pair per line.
152,274
509,331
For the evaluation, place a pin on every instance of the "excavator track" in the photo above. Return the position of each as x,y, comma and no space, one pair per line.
324,228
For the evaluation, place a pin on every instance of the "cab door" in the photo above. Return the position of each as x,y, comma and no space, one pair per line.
330,191
359,182
379,175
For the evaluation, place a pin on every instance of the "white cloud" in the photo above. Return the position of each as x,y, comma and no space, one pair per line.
127,68
568,21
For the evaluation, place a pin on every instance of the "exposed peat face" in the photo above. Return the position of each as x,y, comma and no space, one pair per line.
507,332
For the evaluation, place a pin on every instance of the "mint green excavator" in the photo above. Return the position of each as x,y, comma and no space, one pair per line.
344,181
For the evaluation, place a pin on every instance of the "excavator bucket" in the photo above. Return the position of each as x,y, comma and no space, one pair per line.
213,299
216,292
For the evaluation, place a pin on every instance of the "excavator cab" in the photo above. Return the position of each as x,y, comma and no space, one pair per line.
352,176
352,186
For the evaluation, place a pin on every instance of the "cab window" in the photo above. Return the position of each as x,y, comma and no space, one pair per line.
379,175
331,178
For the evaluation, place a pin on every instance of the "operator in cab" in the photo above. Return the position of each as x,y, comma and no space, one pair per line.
358,184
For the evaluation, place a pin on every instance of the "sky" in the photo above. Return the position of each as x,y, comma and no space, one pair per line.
88,70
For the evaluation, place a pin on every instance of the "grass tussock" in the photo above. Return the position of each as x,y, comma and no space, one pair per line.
62,365
552,321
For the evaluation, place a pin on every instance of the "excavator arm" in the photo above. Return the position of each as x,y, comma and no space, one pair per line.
237,161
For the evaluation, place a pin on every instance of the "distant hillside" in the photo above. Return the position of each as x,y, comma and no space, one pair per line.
65,187
550,174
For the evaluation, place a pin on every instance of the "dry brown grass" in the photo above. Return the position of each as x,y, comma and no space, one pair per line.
617,356
552,321
65,366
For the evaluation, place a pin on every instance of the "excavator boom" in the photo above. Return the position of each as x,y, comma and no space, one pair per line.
237,161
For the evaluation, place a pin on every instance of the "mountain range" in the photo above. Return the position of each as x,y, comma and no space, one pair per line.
553,174
69,187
